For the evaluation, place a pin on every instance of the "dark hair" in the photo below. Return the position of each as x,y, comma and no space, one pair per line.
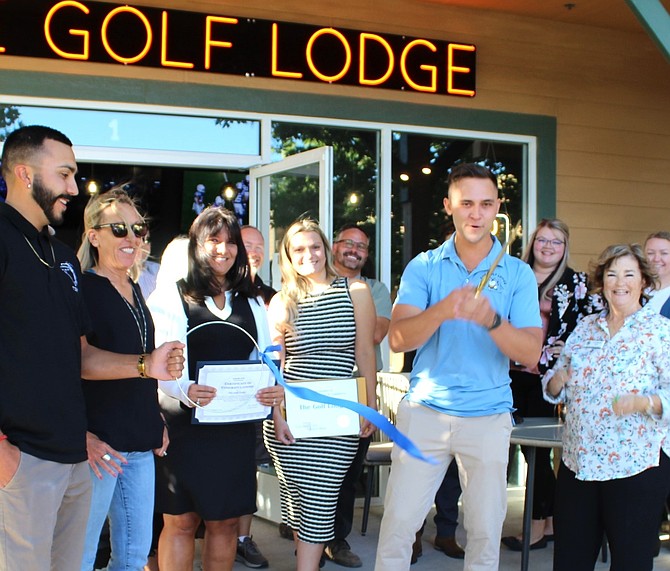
352,226
607,258
469,170
21,145
200,281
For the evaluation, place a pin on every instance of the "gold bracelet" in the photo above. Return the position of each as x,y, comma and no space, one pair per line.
142,366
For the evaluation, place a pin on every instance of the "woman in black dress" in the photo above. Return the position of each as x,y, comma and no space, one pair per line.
210,473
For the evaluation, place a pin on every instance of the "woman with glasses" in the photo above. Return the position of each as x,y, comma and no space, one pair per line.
564,300
210,472
125,427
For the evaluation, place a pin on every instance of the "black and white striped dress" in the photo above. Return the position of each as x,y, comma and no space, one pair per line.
311,471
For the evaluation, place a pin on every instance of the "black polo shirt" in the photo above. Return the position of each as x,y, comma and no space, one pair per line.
42,319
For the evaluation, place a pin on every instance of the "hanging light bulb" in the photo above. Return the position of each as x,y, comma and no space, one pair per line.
92,187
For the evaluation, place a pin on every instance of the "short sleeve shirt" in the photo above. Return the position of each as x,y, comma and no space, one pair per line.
460,370
42,319
382,300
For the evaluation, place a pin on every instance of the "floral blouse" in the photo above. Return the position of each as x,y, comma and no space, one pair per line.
570,302
597,444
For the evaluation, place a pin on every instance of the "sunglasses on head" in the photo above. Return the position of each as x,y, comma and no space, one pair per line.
120,229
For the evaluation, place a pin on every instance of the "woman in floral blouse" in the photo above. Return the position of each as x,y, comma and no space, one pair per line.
614,375
564,300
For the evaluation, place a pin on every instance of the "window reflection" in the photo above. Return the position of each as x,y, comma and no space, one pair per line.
151,131
355,175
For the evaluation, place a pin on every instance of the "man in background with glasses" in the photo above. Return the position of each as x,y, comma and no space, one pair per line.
350,253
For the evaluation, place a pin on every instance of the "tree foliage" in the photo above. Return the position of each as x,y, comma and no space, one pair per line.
10,120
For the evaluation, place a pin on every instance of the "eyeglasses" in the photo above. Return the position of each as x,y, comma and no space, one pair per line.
362,246
544,241
120,229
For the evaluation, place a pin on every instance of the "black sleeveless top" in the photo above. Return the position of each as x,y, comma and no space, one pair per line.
214,342
219,342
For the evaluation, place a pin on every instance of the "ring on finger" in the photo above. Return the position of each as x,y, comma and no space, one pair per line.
197,402
274,402
106,457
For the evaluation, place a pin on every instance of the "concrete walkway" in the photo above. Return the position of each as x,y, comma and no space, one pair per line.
280,551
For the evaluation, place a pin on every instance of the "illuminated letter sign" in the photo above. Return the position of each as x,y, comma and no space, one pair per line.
275,57
361,66
115,34
164,36
83,33
347,50
147,27
452,69
431,68
209,42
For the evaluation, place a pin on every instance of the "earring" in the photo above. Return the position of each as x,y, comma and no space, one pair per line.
29,185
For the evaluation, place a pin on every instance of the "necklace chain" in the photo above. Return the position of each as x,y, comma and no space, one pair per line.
53,256
134,313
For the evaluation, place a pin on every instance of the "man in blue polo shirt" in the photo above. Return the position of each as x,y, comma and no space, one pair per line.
459,403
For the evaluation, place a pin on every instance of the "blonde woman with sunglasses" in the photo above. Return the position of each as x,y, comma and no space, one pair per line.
125,427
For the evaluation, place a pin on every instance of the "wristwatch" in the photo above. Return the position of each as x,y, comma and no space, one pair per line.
497,320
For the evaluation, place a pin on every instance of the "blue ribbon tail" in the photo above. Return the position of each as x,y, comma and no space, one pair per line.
379,420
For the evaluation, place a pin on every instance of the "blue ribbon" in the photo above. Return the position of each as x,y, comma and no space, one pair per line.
379,420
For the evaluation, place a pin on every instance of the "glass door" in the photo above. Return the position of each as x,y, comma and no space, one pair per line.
279,193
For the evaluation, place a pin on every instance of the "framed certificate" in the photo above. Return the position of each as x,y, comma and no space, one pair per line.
313,419
236,384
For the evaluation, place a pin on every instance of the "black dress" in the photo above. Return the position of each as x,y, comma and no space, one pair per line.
209,469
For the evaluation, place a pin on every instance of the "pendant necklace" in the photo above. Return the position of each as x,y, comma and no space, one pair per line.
53,256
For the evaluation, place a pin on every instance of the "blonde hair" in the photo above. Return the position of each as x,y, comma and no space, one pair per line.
529,255
88,253
295,287
661,235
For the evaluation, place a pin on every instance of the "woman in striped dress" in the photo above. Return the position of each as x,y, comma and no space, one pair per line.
325,325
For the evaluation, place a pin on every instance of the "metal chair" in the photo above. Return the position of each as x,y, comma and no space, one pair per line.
379,454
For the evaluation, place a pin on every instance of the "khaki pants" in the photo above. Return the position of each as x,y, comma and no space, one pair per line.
43,515
480,446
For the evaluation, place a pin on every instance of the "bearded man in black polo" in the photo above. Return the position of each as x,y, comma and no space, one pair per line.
44,480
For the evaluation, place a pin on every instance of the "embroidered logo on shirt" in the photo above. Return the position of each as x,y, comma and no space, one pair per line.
496,282
68,270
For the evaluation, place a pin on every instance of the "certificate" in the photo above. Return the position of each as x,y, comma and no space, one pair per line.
236,384
313,419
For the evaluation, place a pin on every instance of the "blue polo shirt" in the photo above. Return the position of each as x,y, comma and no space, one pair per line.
460,370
